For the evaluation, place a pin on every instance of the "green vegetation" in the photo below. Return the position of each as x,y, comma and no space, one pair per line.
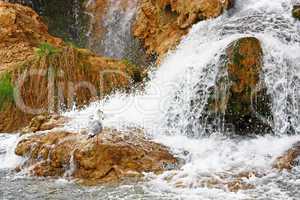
237,57
6,89
46,49
134,70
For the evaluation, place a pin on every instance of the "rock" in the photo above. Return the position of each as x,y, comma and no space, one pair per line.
7,17
44,123
66,19
296,11
239,97
289,159
239,184
110,157
233,183
48,74
21,30
160,24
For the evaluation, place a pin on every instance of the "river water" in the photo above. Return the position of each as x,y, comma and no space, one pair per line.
164,111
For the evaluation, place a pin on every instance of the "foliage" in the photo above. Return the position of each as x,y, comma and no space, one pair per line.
46,49
6,89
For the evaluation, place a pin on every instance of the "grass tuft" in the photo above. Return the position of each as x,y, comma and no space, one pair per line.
6,89
46,49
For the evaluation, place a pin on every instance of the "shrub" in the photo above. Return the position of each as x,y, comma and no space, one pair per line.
46,49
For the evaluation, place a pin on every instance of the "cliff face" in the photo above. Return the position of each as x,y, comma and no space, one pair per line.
66,19
21,31
39,73
160,24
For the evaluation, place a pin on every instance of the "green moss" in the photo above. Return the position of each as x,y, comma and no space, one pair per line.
6,89
134,70
46,49
237,57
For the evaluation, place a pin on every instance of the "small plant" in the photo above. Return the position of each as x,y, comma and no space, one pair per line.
46,49
6,89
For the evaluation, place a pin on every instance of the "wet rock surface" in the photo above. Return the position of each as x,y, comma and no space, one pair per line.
289,159
110,157
296,11
239,99
232,183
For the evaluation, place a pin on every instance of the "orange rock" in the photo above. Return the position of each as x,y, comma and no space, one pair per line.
240,95
21,30
110,157
288,159
160,24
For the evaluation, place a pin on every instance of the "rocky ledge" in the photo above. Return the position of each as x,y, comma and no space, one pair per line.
111,157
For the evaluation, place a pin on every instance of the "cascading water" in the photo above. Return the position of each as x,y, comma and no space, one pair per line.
117,23
117,40
165,111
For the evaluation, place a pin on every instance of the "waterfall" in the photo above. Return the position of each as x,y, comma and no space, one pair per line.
117,23
116,39
164,110
187,73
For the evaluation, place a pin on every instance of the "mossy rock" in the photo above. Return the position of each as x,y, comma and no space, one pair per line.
240,97
296,12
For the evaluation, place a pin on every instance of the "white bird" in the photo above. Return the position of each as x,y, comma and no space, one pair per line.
95,126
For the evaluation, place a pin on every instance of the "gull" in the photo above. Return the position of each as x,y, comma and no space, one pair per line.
95,126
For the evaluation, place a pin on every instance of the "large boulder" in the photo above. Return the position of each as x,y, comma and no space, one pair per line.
239,99
112,156
160,24
40,73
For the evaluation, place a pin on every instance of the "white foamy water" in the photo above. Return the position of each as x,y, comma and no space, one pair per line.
8,159
164,109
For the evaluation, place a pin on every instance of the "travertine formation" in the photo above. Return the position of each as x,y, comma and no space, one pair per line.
112,156
239,96
160,24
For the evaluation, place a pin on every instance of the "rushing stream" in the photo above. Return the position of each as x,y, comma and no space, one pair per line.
164,111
